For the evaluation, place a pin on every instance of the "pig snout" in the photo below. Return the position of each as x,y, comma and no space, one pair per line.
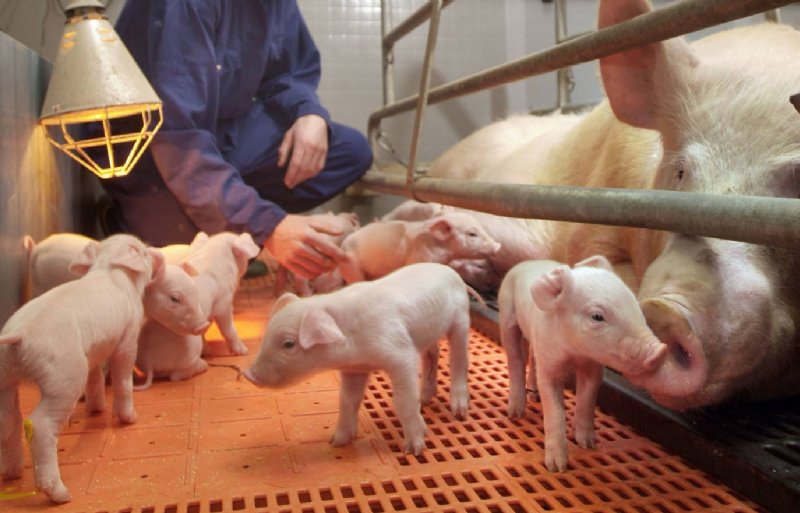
683,368
641,354
249,376
202,328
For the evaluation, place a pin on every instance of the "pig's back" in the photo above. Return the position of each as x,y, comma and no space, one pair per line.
424,299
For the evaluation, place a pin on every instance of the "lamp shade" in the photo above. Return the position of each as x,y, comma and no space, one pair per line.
95,80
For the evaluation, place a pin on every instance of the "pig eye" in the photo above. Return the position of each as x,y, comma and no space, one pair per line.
175,298
472,233
597,317
288,343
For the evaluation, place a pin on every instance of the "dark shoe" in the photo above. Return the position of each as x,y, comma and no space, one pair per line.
256,269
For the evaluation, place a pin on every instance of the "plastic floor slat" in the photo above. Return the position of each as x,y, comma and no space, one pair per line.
215,444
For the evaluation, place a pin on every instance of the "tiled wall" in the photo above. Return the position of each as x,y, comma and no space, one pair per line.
41,191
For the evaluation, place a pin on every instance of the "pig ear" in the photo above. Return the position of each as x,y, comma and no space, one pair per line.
189,268
282,301
245,246
598,261
318,327
633,78
130,258
550,289
441,229
159,263
80,264
199,240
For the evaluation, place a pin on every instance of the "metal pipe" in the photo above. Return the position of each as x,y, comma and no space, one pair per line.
753,219
387,54
424,86
416,19
564,75
664,23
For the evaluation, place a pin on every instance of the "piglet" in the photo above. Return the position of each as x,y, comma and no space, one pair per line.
384,246
48,261
60,340
169,342
218,264
412,210
576,321
383,324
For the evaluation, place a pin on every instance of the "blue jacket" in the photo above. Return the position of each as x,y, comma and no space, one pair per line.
211,62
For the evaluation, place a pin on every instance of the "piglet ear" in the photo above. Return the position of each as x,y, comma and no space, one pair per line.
282,301
129,257
245,246
199,241
550,289
441,229
318,327
189,268
159,263
598,261
81,264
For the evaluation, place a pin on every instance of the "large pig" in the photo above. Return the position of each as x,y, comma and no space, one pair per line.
570,322
713,116
60,340
218,264
381,247
384,324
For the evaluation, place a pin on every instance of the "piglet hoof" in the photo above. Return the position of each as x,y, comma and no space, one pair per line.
516,410
459,407
127,417
56,491
585,439
414,446
341,438
238,348
11,469
557,462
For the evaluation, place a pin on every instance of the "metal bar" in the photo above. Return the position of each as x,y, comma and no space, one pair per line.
664,23
424,86
416,19
563,74
387,54
753,219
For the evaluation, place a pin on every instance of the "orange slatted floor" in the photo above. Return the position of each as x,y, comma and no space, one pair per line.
215,444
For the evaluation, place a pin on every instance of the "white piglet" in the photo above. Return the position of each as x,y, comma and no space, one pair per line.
381,247
386,324
60,340
218,263
570,322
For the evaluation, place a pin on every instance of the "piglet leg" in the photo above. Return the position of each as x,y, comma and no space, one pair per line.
57,403
430,374
555,426
12,458
96,390
405,389
516,357
458,337
351,394
225,323
589,377
121,368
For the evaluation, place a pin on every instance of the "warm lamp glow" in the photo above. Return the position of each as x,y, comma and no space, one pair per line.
95,80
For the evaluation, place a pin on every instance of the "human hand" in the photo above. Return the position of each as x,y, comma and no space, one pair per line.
305,147
305,245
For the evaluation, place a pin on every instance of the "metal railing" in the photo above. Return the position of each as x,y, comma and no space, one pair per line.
773,221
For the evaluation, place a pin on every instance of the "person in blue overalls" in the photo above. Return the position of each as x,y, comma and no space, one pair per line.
245,145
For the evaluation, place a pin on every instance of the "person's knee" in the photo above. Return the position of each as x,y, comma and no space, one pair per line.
354,149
